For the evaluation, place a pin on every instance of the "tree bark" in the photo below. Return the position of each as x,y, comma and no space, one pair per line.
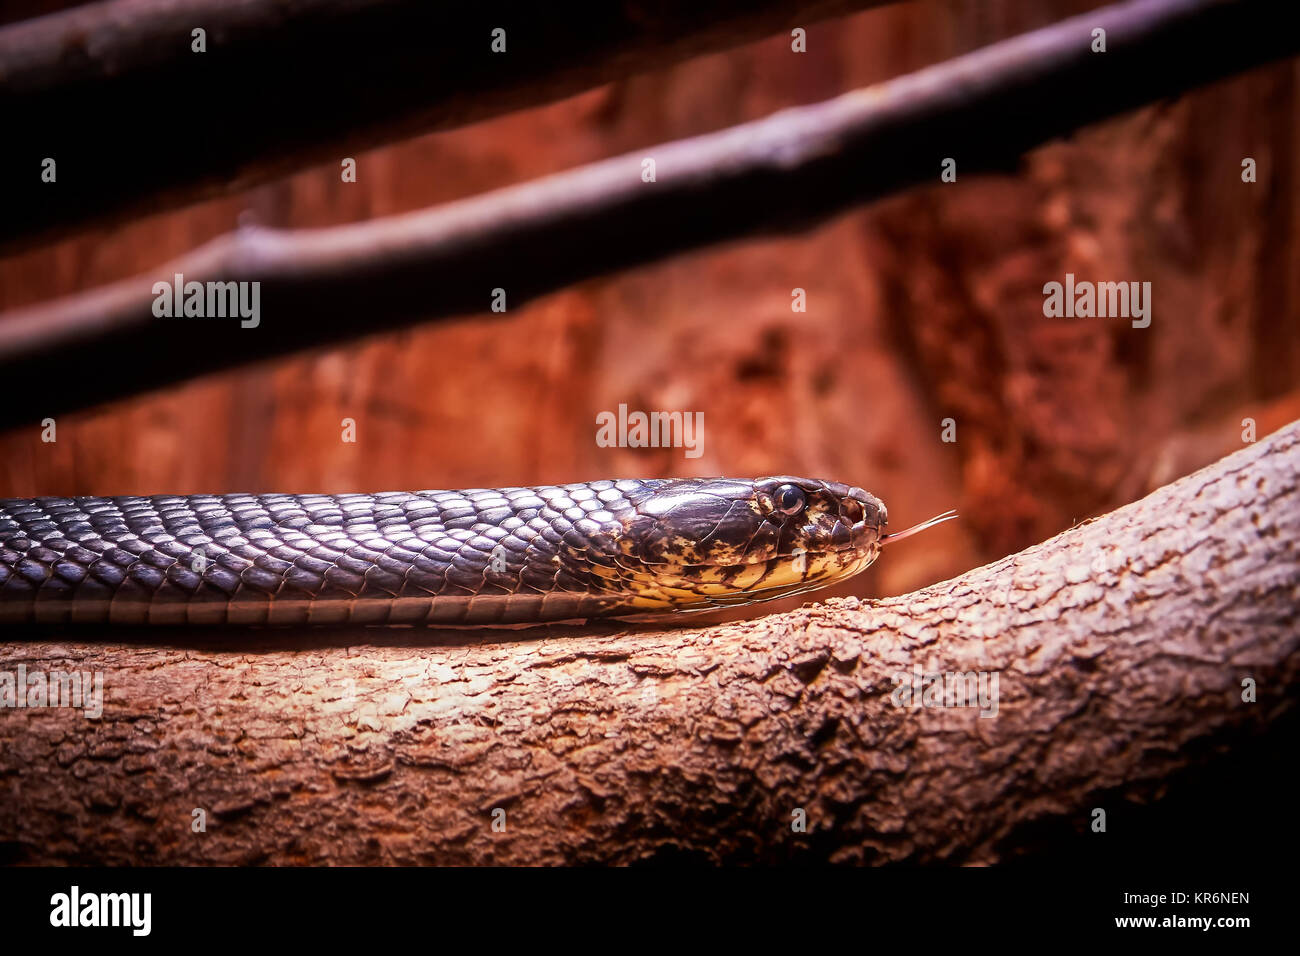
1120,647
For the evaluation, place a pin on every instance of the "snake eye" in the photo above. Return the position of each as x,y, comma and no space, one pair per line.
789,500
853,510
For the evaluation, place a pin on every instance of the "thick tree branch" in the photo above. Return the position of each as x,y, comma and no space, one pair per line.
137,120
1120,648
787,171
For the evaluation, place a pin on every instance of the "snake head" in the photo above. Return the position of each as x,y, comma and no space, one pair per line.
705,542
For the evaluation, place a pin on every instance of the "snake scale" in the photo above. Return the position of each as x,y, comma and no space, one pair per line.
477,557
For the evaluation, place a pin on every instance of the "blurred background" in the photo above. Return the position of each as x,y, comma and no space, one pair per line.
920,308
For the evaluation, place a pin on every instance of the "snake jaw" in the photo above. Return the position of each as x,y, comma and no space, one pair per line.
696,544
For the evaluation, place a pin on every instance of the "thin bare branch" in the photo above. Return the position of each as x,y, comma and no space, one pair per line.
137,120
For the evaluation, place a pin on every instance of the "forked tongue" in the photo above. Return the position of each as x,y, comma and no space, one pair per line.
917,528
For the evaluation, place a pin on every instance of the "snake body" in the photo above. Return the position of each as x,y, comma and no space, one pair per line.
477,557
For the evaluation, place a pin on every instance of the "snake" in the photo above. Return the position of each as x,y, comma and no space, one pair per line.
482,557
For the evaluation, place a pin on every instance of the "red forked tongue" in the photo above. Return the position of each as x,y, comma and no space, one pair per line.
917,528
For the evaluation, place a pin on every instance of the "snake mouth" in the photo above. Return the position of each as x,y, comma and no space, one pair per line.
692,544
699,587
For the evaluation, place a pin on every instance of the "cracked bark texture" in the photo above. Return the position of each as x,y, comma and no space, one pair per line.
1121,646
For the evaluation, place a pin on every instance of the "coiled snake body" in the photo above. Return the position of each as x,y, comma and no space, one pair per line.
507,556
